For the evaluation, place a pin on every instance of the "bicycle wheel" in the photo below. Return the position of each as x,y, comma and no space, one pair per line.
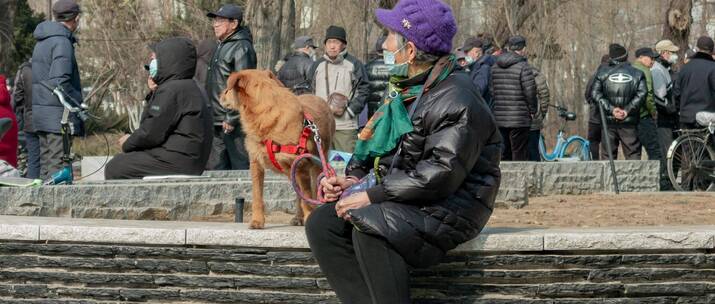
577,148
685,157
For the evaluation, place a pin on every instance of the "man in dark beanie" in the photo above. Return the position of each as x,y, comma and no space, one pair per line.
621,90
694,88
234,53
513,87
54,64
339,72
437,149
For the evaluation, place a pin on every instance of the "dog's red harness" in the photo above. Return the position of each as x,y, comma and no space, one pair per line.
302,147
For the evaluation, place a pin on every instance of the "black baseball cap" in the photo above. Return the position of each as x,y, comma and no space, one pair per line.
646,51
228,11
472,42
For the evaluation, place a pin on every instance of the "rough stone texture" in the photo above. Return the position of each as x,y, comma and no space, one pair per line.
19,232
214,194
638,240
85,273
113,235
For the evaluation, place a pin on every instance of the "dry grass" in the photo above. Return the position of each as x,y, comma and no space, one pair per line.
96,145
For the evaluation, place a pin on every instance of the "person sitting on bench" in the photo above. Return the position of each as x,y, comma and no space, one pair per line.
175,132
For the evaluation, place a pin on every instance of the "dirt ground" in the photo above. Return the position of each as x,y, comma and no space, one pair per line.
597,210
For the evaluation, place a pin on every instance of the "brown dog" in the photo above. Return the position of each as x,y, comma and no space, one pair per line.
270,111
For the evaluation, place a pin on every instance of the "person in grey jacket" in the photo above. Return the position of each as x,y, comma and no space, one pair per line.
234,53
340,72
54,65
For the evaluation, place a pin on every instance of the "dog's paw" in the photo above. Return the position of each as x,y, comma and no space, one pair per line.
297,221
255,224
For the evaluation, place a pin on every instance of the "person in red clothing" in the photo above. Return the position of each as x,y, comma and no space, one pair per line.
8,142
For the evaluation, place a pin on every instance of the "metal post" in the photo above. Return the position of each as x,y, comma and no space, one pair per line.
607,139
238,218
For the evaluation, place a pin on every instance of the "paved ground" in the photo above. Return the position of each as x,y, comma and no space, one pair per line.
597,210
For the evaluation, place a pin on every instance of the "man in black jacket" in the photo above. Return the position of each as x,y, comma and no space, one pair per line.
594,117
621,90
234,53
515,102
378,73
441,190
174,135
694,88
294,72
54,65
22,104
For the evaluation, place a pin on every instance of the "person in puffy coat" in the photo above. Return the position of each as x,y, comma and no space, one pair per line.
515,99
175,132
441,190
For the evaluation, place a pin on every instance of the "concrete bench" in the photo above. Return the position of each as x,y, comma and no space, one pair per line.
214,195
55,260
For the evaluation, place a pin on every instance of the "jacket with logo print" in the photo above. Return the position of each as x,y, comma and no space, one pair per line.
620,85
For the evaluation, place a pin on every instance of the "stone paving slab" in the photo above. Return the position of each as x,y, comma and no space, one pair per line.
282,236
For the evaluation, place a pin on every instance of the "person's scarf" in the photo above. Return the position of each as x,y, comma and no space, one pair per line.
383,131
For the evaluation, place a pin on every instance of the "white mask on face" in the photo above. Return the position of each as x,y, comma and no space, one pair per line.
673,59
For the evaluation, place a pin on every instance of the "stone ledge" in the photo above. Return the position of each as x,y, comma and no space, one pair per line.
282,236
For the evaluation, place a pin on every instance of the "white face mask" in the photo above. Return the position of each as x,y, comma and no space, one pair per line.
673,59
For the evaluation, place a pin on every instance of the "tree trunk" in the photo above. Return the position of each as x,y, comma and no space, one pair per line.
677,23
7,40
272,33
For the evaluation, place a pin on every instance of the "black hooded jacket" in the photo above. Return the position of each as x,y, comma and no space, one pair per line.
295,72
694,88
513,91
441,193
233,54
176,125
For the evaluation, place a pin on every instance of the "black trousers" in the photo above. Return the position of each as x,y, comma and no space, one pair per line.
533,145
627,138
361,268
50,153
648,136
515,143
228,151
32,145
594,140
136,165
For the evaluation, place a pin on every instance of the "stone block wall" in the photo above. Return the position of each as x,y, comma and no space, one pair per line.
83,273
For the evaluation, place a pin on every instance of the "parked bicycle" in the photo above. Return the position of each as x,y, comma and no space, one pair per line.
573,148
691,157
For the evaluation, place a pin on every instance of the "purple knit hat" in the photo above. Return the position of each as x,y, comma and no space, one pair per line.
429,24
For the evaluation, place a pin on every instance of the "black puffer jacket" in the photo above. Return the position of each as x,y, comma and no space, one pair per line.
176,123
233,54
514,91
379,75
442,192
623,86
294,73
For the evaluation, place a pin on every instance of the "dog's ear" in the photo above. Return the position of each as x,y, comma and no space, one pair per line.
233,81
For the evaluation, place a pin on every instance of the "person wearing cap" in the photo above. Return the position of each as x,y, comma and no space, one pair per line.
379,74
694,88
621,90
441,190
294,72
234,53
175,132
480,66
513,88
54,64
340,72
662,71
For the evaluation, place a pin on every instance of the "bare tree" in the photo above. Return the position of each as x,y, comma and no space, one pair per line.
678,20
7,13
273,26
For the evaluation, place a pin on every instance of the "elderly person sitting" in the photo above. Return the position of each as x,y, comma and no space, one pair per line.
441,189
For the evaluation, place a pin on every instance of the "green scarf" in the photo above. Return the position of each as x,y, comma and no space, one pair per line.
383,131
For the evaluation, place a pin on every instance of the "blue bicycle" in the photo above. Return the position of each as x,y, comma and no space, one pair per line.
574,148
